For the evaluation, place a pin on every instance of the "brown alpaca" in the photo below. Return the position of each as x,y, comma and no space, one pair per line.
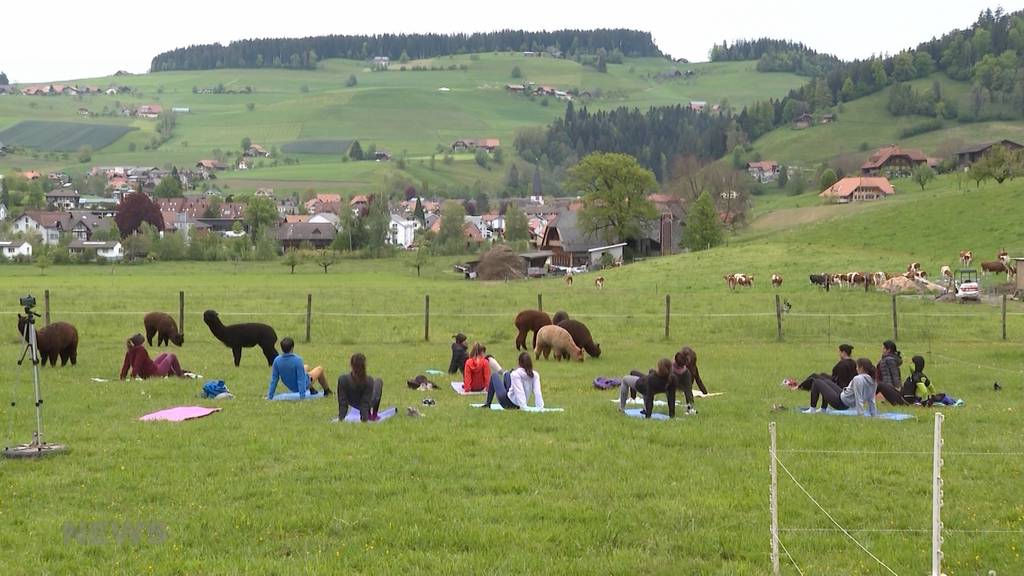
164,328
559,317
558,339
530,321
59,339
581,336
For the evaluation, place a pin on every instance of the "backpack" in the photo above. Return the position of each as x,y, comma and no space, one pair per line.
213,388
602,383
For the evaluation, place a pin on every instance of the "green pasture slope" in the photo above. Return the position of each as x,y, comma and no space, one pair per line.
395,110
867,121
62,136
273,488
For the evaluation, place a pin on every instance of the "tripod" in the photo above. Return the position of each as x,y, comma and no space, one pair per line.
37,447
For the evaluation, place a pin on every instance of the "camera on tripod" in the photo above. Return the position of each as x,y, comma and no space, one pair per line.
28,302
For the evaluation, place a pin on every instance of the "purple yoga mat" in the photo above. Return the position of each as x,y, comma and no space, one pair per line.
180,413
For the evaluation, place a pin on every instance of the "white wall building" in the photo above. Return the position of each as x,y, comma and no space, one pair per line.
12,249
402,232
111,251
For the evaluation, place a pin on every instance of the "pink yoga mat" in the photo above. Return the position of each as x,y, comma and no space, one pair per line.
180,413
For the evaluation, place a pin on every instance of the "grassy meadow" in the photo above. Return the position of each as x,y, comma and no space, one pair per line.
274,488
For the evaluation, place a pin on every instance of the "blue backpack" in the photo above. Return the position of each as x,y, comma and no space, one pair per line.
602,383
214,387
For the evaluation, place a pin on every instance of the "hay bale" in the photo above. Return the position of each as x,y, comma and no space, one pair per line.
900,285
500,263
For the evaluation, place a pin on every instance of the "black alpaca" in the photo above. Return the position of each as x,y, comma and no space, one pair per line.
238,336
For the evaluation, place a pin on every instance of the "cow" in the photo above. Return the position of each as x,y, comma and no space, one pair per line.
914,267
568,279
776,280
730,281
996,267
746,280
838,279
879,278
946,272
966,257
599,282
1003,255
855,278
819,280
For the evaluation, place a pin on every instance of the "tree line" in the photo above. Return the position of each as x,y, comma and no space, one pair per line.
776,56
306,52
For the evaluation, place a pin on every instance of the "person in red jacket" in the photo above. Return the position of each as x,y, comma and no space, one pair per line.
477,371
137,359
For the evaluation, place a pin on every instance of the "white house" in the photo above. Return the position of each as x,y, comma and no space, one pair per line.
110,251
402,232
325,218
48,225
12,249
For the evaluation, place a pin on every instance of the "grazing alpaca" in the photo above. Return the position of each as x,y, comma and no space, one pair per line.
59,339
580,336
238,336
164,328
558,339
559,317
529,321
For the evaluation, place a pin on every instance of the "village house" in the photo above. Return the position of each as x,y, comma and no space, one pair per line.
317,235
662,235
381,62
571,247
698,105
895,162
863,189
359,204
207,168
381,156
469,144
15,249
828,118
803,121
515,88
149,111
63,199
84,112
88,224
325,218
3,210
971,154
402,232
764,172
48,225
324,203
111,251
256,151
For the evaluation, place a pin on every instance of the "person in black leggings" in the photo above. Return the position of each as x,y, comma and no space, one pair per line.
831,395
842,373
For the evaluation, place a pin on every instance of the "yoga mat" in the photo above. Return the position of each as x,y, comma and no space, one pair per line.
179,414
432,372
99,380
457,386
635,413
497,406
295,396
353,415
897,416
640,401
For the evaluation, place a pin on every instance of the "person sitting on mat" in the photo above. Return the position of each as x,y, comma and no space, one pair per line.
858,394
660,380
137,359
842,373
459,355
293,373
917,388
360,390
477,370
689,361
524,381
498,385
887,374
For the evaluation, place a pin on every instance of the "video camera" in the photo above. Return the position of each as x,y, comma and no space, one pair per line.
28,302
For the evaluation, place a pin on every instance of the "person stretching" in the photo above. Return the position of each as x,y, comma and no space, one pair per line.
684,379
524,381
498,385
477,370
459,355
859,394
296,376
887,374
359,390
661,380
842,373
689,360
137,359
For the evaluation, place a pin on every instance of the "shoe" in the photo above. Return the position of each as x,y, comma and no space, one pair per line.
811,410
690,411
327,392
485,406
959,402
428,402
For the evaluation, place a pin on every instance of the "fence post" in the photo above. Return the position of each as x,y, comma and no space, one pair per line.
540,301
181,311
1004,316
895,323
778,315
937,498
668,313
426,318
309,314
773,500
46,307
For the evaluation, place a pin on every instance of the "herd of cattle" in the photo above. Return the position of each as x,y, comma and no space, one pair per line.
1001,265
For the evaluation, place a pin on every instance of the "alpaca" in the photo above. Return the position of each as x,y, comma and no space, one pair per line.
559,317
164,327
530,321
59,339
247,335
581,336
558,339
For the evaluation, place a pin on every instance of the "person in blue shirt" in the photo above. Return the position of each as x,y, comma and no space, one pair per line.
293,373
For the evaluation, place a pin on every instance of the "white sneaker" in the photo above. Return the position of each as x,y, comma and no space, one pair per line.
811,410
690,411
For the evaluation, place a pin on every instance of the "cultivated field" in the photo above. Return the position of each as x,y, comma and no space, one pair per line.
62,136
274,488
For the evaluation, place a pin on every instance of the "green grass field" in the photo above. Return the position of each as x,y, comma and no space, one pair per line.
398,111
62,136
274,488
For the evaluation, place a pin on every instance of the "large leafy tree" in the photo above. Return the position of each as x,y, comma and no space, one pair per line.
135,209
451,237
517,227
260,214
168,187
703,227
614,189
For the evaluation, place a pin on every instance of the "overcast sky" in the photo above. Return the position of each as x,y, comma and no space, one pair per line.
67,39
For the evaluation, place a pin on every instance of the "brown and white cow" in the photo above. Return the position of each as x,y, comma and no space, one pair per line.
776,280
730,281
996,267
568,279
746,280
1003,255
946,272
966,257
599,282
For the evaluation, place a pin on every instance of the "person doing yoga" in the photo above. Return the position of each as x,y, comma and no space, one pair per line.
657,381
137,360
859,394
360,390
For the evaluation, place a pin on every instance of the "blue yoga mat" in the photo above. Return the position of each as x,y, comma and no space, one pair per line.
295,396
638,413
353,415
527,409
897,416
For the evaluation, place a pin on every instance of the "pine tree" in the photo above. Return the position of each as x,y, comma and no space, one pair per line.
418,212
703,227
355,151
